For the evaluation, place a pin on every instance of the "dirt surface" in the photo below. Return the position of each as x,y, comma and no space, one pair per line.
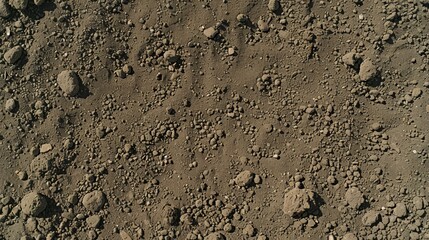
214,119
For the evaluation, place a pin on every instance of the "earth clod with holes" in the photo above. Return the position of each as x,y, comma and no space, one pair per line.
214,119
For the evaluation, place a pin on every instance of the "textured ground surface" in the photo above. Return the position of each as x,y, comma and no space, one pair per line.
221,119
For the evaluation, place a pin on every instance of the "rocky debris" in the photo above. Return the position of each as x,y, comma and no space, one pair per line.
273,5
368,71
94,200
33,204
5,11
11,105
210,32
371,218
14,54
215,236
298,202
69,82
400,210
354,198
19,4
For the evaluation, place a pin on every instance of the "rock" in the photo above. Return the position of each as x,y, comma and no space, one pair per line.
242,18
40,165
273,5
354,198
215,236
13,55
263,26
171,215
171,56
11,105
244,179
94,200
349,236
377,126
210,32
350,59
33,204
417,92
299,201
5,11
124,235
69,82
400,210
371,218
93,221
367,71
19,4
249,230
418,203
45,148
39,2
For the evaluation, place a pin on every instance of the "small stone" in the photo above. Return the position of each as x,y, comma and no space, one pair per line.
400,210
11,105
40,165
5,11
371,218
120,73
39,2
127,69
94,200
417,92
244,179
427,108
171,56
273,5
242,18
215,236
68,81
13,55
19,4
124,235
377,126
93,221
349,236
367,71
263,26
249,230
210,32
45,148
418,203
350,59
299,201
33,204
354,198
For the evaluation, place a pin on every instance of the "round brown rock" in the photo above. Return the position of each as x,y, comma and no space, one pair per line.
69,82
354,198
367,71
244,179
33,204
94,200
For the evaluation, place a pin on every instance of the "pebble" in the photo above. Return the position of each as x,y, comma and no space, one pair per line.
367,71
33,204
68,81
215,236
400,210
19,4
371,218
13,55
350,59
263,26
418,203
94,200
242,18
244,179
45,148
93,221
210,32
349,236
40,165
5,11
11,105
354,198
273,5
249,230
417,92
39,2
171,56
124,235
299,201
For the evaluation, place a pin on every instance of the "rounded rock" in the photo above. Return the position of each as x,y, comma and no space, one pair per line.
273,5
368,70
33,204
10,105
299,201
68,81
354,198
244,179
94,200
349,236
